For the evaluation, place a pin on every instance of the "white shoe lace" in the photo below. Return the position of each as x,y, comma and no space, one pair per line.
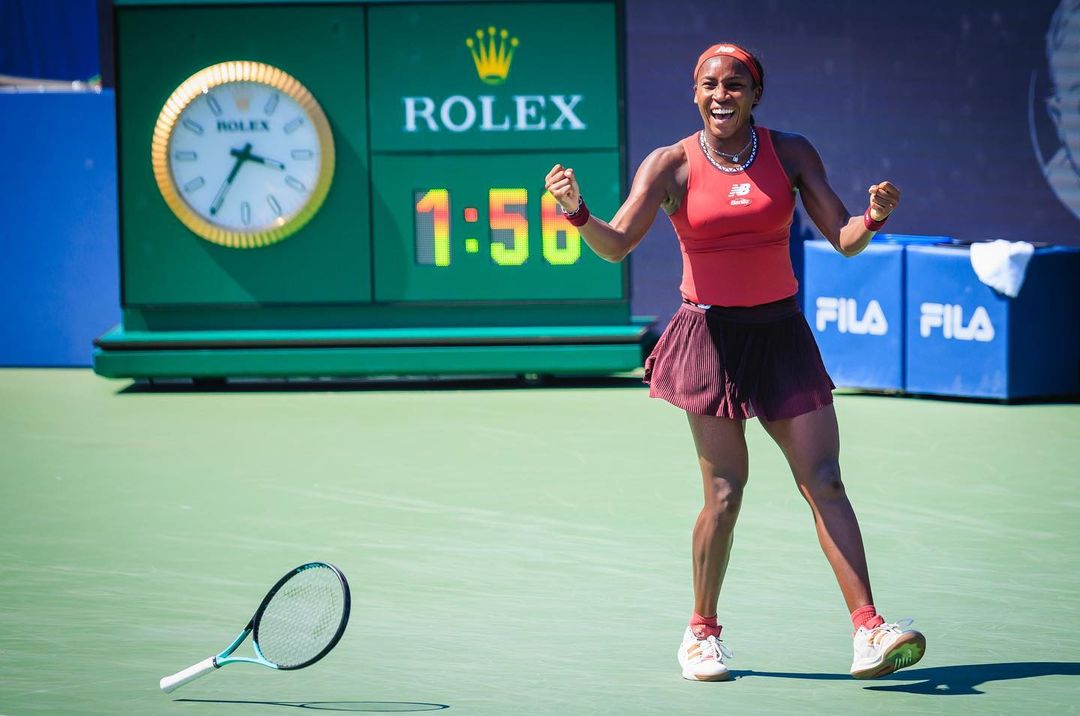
713,647
878,632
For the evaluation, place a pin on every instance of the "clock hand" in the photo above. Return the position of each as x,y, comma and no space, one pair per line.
242,155
267,162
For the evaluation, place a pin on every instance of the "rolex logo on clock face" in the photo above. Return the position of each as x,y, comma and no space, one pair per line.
243,154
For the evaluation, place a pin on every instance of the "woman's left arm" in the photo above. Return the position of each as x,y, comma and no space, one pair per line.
848,234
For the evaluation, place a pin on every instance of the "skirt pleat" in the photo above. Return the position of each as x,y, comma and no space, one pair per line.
740,362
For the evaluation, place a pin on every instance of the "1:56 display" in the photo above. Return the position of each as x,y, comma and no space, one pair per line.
508,228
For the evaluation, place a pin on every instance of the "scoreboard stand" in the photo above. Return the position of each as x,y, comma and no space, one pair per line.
344,188
555,350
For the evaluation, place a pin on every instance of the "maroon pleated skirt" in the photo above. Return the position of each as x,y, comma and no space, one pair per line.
740,362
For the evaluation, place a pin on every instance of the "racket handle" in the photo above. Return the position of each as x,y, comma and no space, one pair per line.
191,673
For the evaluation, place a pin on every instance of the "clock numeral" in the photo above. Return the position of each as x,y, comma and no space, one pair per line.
295,183
293,125
245,213
274,205
185,156
303,154
193,126
215,106
432,218
509,226
271,104
194,184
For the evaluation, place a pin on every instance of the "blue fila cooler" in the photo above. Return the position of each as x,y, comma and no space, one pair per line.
855,309
965,339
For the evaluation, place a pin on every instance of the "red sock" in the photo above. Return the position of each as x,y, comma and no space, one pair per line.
704,626
866,617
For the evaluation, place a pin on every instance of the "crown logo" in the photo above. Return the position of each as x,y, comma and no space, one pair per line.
492,55
242,98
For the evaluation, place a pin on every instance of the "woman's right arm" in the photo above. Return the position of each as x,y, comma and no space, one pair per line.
657,183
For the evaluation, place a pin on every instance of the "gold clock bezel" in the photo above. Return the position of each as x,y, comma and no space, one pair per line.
215,76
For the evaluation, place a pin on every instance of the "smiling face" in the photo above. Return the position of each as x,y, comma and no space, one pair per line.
725,94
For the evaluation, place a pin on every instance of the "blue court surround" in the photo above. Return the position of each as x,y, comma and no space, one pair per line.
855,309
59,277
965,339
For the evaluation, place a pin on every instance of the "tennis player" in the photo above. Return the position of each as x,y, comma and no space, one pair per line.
739,346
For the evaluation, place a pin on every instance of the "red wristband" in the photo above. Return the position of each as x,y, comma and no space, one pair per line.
580,216
869,222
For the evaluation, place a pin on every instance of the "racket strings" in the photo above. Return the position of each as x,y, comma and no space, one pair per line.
302,618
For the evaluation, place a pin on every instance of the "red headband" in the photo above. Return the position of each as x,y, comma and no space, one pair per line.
726,48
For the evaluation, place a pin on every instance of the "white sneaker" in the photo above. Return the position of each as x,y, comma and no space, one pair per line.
886,648
703,659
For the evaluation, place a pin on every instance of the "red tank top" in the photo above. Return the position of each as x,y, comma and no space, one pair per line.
733,230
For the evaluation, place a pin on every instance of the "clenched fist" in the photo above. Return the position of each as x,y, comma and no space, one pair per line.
563,185
883,199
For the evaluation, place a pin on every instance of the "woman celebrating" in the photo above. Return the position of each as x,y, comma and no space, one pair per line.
739,346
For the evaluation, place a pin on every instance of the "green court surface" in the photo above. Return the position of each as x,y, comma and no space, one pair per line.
516,550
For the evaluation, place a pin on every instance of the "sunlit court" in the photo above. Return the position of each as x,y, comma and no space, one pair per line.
492,534
599,357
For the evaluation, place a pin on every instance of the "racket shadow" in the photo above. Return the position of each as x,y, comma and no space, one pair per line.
381,707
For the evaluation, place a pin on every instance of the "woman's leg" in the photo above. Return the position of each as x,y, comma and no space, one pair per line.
811,443
722,457
721,449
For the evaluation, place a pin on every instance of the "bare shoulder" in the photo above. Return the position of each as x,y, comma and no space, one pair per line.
791,145
663,175
797,155
667,159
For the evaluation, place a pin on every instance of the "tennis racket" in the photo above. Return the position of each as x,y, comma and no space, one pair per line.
300,620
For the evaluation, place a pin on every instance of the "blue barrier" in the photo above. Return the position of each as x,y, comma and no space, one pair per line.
855,309
964,339
59,279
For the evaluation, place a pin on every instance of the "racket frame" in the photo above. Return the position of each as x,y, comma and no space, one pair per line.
253,625
169,683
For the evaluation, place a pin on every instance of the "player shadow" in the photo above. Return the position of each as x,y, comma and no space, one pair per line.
958,680
378,707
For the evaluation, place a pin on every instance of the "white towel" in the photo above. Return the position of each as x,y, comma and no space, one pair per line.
1001,265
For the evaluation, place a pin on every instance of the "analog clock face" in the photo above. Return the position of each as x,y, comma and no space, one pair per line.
245,156
243,162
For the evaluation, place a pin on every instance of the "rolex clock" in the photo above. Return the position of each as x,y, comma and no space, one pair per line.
243,154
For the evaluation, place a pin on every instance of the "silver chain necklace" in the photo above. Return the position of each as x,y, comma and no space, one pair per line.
705,149
734,158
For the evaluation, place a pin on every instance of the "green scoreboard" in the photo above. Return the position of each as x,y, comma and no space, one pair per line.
349,188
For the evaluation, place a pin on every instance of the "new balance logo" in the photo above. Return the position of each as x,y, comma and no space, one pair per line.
739,190
844,312
950,319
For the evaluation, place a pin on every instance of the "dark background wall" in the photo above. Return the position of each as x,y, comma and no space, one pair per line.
931,95
946,99
50,39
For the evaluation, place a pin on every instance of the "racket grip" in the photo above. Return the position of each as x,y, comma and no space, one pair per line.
168,683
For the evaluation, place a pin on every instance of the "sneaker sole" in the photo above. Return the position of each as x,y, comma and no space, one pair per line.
690,676
905,652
